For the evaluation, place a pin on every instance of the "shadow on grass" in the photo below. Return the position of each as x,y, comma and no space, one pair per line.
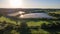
52,28
24,29
6,30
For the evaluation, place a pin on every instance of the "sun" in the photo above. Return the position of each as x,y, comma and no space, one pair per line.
15,3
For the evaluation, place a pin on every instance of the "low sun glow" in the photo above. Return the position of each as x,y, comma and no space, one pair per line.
22,16
15,3
20,12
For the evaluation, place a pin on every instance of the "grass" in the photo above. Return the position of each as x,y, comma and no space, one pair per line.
40,31
29,23
33,23
14,32
57,12
8,20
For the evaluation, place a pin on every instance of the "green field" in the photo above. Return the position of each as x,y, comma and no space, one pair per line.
30,26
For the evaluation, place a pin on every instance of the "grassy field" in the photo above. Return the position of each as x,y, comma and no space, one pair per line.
29,26
34,26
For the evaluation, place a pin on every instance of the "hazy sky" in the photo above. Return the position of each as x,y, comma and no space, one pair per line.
30,4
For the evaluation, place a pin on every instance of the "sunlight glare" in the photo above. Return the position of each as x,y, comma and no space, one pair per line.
20,12
15,3
22,16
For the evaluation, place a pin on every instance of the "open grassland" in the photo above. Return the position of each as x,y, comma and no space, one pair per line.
30,26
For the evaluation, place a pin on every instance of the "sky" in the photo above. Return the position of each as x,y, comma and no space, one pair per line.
30,4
